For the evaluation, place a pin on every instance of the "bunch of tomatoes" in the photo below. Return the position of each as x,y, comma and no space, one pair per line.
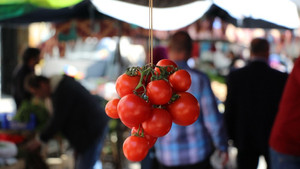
151,99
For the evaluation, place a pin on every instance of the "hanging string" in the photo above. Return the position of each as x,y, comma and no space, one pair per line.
151,31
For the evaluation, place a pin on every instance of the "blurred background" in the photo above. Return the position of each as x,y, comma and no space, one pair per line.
96,40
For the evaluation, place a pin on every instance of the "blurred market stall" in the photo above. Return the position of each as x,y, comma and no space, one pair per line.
95,40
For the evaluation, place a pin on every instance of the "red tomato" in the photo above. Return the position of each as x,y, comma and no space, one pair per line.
180,80
159,123
126,84
135,148
127,124
185,110
151,140
111,108
159,92
133,110
166,62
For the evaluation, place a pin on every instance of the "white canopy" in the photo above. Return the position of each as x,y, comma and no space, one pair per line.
279,12
169,18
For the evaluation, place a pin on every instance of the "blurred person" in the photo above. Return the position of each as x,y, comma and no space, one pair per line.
191,147
253,95
285,139
159,53
236,61
221,61
30,58
77,114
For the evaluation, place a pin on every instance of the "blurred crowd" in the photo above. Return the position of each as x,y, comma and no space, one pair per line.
260,116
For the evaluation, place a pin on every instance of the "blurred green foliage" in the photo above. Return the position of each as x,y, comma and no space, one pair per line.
32,107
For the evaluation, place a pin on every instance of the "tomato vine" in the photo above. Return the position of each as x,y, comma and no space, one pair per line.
151,99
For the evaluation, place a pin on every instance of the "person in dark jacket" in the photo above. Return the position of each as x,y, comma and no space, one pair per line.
30,58
77,114
253,95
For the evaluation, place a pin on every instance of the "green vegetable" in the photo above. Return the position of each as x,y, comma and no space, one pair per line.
32,107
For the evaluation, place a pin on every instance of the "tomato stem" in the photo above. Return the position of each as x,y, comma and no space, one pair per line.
164,72
132,71
144,73
174,97
159,106
138,134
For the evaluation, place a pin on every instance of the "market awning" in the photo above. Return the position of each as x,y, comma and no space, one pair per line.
81,10
15,8
167,14
178,14
251,13
167,18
